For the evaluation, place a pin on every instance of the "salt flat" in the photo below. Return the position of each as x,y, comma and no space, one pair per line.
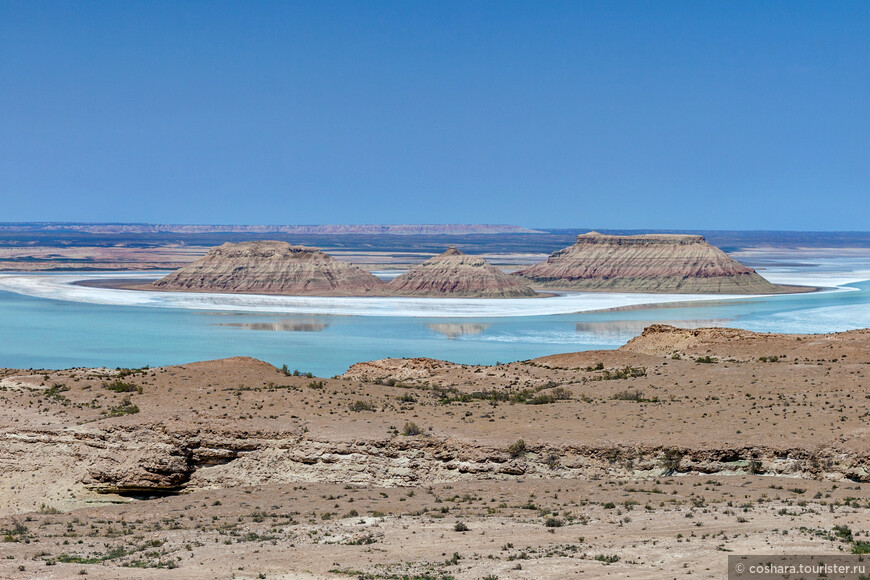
63,287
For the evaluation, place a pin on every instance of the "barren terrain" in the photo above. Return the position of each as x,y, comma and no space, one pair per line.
85,258
655,460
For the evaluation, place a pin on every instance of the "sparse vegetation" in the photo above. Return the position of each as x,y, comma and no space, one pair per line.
410,429
17,533
635,395
358,406
671,458
530,396
557,394
517,448
119,386
627,372
296,373
125,408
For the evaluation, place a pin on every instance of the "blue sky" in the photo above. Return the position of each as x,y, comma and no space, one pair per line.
707,115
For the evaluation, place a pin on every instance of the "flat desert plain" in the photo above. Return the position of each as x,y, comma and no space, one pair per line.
655,460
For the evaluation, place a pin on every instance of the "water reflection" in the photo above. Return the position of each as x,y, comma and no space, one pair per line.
283,326
455,330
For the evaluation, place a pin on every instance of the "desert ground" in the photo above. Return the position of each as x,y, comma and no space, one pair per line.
655,460
70,247
83,247
85,258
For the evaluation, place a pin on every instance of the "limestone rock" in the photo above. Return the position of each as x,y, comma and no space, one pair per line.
397,369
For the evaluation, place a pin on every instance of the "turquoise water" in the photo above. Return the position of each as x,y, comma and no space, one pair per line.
46,333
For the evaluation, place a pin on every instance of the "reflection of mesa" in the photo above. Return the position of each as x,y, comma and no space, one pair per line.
457,329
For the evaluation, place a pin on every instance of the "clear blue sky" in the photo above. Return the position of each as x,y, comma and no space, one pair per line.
707,115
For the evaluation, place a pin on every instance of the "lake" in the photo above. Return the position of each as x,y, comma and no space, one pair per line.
47,322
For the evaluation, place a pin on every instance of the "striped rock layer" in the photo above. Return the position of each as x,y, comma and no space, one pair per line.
661,263
268,267
458,275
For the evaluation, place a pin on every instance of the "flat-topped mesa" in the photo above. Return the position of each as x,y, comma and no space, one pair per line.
267,267
455,274
665,263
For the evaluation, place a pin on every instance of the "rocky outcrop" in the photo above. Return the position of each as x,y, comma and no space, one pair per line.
646,263
456,274
739,344
664,339
154,460
176,463
138,461
397,369
271,268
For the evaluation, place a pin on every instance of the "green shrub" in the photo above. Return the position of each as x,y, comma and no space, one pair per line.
623,373
295,373
120,386
671,458
410,429
358,406
843,532
125,408
634,395
127,372
861,548
628,395
517,448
